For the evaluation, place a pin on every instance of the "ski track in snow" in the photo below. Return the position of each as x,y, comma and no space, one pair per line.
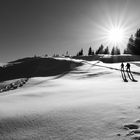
89,103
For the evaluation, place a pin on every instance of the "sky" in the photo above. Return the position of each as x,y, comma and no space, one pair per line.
39,27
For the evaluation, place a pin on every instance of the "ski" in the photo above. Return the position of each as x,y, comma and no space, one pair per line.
131,77
134,80
125,80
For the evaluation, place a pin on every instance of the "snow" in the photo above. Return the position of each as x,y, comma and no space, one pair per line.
89,103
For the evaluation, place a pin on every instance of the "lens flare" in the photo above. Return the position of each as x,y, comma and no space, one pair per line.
116,36
114,29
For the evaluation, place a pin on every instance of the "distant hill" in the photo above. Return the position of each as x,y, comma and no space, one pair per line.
36,67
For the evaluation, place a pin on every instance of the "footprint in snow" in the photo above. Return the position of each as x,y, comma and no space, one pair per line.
135,138
130,126
133,130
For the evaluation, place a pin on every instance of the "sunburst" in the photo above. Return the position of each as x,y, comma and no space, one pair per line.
114,30
116,36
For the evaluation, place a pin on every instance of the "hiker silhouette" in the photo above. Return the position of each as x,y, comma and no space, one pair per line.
128,67
129,73
122,66
123,72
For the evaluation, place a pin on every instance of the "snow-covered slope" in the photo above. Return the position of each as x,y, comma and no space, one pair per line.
90,102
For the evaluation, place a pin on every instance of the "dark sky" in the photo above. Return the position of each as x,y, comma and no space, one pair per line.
29,27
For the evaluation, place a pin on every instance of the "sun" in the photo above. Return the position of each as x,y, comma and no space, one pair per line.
116,35
113,31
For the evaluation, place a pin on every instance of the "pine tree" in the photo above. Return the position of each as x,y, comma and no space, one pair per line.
117,51
100,50
130,46
137,43
106,50
113,51
133,46
90,51
80,53
46,55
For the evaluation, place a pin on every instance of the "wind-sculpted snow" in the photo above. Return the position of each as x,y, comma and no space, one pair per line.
11,85
88,102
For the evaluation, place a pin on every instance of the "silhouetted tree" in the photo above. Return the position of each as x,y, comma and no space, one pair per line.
80,53
136,47
115,51
100,50
130,46
46,55
106,50
90,51
133,46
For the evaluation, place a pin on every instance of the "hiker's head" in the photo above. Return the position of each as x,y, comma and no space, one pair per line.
122,64
128,65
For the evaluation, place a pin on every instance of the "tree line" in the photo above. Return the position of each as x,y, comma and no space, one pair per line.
133,46
100,50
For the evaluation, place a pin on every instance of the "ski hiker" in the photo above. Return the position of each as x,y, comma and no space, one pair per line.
128,67
122,66
123,72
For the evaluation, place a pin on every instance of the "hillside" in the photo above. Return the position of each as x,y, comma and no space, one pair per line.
36,67
42,67
87,100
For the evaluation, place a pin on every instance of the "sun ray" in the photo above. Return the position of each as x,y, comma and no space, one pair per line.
115,32
115,27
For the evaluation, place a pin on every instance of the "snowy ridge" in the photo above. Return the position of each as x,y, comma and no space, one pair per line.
90,101
36,67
